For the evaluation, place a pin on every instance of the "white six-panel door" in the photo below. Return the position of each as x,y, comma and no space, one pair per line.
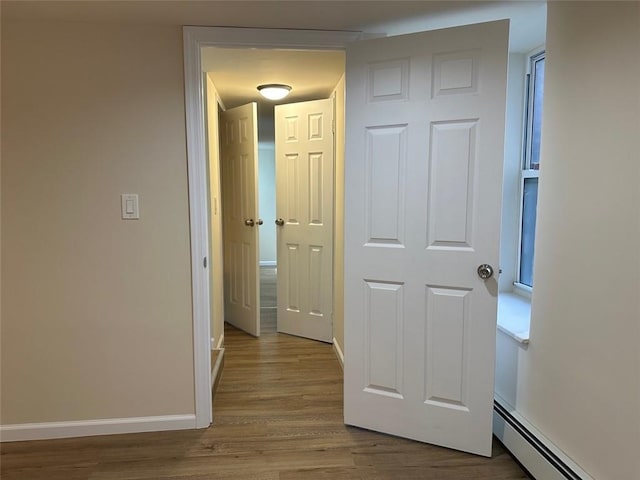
423,181
239,170
304,202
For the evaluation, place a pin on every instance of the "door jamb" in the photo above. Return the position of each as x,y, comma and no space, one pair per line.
194,39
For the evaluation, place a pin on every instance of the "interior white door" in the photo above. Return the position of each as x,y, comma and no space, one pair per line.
423,181
304,204
239,172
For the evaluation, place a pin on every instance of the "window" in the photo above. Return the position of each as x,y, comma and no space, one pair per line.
530,168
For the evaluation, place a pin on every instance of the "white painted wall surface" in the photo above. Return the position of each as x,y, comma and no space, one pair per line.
511,173
267,202
578,381
215,216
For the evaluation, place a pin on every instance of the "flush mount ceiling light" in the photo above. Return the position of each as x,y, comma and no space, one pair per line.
274,91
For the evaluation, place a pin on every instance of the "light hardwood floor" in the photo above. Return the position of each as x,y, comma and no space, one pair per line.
268,304
277,415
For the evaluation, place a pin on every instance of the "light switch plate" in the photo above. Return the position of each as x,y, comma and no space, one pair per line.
129,206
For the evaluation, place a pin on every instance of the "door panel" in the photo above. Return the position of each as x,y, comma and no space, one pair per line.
239,158
423,183
304,198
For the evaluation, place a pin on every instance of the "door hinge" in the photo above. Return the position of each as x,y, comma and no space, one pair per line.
204,262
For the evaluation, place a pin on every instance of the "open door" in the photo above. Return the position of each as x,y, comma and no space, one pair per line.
304,205
239,172
423,186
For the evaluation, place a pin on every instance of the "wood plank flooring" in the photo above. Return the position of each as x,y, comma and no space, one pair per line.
268,304
277,416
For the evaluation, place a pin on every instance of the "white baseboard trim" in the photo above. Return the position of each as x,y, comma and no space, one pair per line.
220,344
88,428
268,263
339,354
537,454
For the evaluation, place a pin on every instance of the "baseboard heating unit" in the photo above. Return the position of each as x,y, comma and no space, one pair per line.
539,456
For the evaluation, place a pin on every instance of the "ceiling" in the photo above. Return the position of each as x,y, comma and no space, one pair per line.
237,72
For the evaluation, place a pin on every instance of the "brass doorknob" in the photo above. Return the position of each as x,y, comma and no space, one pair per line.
259,222
249,222
280,222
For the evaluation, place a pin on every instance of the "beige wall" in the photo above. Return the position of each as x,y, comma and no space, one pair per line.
215,217
338,244
96,313
579,382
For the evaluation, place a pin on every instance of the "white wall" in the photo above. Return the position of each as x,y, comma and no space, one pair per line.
267,202
216,270
512,168
96,311
578,381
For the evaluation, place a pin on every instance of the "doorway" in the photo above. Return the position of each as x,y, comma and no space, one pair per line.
389,84
226,70
267,240
206,331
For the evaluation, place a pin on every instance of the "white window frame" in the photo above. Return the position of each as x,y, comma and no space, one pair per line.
526,171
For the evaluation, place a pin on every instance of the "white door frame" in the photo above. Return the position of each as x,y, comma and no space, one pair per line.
195,38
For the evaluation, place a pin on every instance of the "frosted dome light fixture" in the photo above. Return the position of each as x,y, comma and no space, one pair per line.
274,91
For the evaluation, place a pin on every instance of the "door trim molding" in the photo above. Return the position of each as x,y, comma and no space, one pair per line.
194,39
338,351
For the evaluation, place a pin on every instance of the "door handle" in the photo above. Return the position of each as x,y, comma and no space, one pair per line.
280,222
485,271
249,222
259,222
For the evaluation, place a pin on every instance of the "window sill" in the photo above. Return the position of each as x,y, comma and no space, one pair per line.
514,315
522,290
